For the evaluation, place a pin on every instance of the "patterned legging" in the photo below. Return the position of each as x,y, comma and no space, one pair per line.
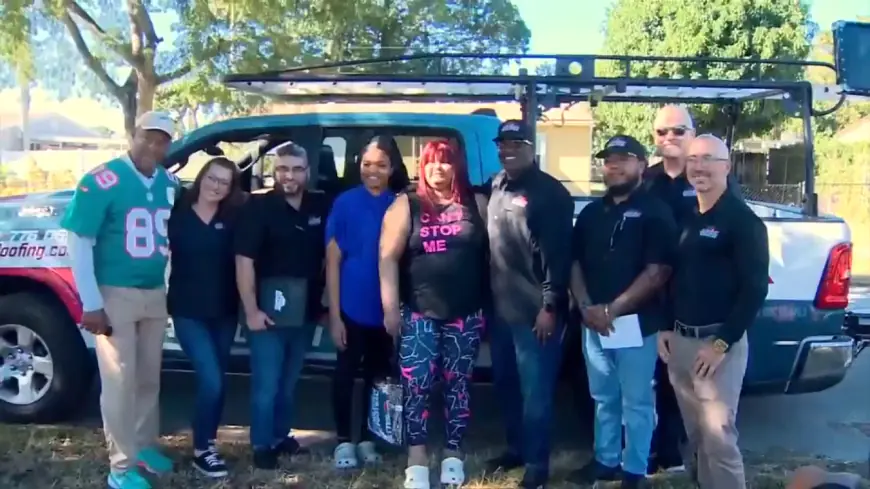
433,350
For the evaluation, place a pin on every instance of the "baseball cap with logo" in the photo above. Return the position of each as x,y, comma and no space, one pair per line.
156,121
623,145
513,130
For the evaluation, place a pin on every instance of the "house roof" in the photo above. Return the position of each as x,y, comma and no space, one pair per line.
49,126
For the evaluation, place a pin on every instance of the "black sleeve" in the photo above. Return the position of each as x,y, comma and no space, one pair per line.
751,262
250,229
578,234
660,235
551,230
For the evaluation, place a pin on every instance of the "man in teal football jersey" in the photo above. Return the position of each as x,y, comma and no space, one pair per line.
117,223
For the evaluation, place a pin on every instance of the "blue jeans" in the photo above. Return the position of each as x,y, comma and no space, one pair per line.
207,344
277,356
621,383
525,371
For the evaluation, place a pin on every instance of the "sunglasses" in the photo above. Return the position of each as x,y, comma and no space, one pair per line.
677,131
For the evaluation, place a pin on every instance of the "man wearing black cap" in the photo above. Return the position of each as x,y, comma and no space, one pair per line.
529,224
623,249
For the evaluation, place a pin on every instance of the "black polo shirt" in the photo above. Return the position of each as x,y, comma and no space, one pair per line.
285,242
722,272
614,243
677,192
529,227
202,278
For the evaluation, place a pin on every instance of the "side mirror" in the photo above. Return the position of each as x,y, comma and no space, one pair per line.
851,52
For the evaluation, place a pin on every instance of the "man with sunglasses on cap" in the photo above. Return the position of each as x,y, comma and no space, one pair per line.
117,223
529,225
624,245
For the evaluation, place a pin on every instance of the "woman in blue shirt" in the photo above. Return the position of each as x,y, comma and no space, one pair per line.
355,314
202,297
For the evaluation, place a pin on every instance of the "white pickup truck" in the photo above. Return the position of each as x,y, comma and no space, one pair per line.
803,339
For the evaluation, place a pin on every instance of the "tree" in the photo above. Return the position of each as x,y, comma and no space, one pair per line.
710,28
325,31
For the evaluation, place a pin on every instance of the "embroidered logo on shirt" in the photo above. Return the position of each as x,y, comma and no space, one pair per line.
314,221
709,232
631,213
690,193
520,201
219,225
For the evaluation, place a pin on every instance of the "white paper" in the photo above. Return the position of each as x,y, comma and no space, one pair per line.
626,334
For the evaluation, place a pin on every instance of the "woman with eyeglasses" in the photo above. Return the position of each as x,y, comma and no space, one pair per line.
202,297
433,276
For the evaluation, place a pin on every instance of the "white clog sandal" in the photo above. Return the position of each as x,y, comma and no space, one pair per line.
452,472
344,456
417,477
368,454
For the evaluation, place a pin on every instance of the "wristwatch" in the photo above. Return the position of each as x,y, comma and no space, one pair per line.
720,346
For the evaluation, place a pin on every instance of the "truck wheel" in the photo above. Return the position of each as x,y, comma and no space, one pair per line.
45,368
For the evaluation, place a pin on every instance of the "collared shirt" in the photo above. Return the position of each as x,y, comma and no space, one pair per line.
284,241
529,226
677,192
355,225
202,280
722,272
614,243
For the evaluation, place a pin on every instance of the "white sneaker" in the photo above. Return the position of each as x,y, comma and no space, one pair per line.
417,477
452,472
367,452
345,456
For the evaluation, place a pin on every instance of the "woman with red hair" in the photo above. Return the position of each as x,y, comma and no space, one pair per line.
434,274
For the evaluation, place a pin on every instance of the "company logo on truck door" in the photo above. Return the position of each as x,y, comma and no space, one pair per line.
31,248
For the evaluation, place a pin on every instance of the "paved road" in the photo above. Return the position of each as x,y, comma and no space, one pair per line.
833,424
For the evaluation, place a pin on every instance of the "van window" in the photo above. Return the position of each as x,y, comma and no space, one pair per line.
339,152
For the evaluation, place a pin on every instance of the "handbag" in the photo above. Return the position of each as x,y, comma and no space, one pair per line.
386,417
284,300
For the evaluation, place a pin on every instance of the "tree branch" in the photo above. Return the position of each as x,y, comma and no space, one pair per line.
176,73
90,60
120,48
146,26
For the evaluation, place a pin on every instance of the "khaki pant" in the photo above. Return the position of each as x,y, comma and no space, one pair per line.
130,361
709,409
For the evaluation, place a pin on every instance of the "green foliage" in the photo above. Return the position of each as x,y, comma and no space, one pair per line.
710,28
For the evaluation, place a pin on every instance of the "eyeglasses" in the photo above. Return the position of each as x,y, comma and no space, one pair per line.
676,130
296,170
218,181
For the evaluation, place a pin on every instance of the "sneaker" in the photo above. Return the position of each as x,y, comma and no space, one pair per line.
291,447
532,480
593,472
345,456
504,463
127,480
153,461
265,459
368,453
633,481
210,464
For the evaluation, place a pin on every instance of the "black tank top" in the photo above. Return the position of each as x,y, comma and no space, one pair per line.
444,264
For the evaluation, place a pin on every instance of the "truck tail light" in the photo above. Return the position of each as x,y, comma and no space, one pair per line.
833,292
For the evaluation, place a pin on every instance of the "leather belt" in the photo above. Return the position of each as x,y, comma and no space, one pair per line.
700,332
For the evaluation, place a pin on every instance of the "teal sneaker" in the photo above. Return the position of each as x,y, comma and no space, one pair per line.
153,461
128,480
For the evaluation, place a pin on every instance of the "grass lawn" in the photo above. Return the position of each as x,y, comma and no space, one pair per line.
42,457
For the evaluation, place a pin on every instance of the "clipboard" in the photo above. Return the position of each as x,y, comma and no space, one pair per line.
284,300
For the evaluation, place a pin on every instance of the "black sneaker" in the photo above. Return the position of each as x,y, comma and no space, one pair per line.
593,472
210,464
533,480
504,463
290,447
633,481
266,459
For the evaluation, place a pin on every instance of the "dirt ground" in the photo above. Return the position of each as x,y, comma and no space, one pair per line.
42,457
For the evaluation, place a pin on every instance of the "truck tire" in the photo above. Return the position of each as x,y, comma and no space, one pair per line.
50,356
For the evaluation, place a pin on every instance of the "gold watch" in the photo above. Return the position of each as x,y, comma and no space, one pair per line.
719,346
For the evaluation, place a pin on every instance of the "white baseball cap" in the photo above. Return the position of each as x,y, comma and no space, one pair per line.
156,121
